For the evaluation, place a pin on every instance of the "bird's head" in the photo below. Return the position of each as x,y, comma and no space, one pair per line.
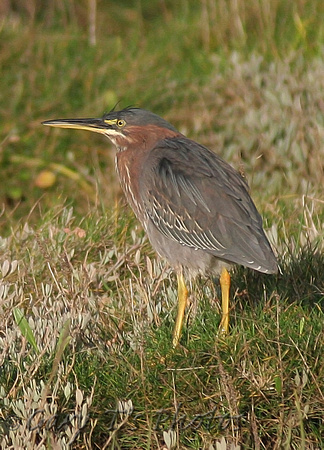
130,126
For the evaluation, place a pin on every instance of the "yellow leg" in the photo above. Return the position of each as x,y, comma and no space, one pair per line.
182,303
225,282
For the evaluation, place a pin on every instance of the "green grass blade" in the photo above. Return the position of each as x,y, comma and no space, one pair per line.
64,338
24,327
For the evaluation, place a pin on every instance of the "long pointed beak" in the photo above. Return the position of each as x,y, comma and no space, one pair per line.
96,125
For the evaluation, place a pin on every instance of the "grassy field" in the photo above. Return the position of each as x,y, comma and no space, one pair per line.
87,309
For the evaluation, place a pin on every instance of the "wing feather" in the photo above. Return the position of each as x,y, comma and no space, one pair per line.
196,199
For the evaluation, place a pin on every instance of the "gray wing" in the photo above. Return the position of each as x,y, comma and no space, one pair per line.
198,200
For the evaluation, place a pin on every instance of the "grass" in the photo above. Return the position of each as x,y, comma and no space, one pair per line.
266,375
87,309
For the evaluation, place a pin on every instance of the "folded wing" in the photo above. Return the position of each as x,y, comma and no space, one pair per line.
198,200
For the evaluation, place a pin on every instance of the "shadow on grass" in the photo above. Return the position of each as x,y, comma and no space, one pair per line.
301,280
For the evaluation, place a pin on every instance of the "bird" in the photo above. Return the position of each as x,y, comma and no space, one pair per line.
195,207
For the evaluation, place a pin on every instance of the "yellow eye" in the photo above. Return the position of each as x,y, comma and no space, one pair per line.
120,123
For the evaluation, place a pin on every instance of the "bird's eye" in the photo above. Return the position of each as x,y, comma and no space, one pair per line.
121,123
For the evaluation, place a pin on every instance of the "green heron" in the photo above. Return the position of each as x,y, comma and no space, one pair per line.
194,207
